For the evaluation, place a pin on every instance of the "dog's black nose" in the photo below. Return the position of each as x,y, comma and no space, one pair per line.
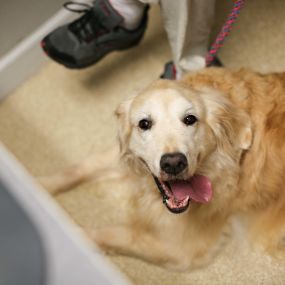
173,163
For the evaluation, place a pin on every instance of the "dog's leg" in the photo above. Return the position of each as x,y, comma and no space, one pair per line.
141,244
97,166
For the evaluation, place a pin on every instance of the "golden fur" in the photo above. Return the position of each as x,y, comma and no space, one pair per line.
238,143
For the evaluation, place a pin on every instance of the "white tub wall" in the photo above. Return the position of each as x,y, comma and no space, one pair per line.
69,257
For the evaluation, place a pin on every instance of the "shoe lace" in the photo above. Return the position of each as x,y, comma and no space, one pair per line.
82,28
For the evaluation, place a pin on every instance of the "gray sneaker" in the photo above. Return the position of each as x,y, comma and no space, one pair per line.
86,40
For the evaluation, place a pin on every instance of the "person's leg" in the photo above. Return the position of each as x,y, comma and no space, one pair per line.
188,24
104,27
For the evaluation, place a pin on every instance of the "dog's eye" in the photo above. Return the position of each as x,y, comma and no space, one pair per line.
190,120
145,124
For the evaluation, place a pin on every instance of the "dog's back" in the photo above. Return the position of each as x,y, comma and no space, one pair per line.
262,193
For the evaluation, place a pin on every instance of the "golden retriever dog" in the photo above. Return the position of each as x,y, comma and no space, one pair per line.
198,153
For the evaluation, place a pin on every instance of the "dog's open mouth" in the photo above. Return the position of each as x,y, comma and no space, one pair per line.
177,194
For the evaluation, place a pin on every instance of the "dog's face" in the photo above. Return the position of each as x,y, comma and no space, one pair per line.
174,133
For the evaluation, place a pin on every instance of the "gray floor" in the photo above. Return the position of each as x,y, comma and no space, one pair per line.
18,18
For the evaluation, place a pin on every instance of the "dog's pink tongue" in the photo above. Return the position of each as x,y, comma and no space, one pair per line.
198,188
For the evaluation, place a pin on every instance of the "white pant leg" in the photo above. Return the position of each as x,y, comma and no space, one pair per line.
131,10
188,24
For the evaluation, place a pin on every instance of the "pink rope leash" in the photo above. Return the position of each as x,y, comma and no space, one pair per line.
225,31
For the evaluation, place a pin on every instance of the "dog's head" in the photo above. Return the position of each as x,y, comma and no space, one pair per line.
183,137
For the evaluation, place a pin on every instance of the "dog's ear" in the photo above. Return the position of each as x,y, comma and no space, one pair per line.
124,126
244,130
124,133
236,125
230,124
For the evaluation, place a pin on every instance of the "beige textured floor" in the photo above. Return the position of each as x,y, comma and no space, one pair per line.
59,116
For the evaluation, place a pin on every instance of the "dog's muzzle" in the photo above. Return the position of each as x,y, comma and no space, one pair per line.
177,194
